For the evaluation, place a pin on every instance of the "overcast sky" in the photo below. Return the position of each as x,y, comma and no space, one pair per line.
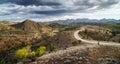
48,10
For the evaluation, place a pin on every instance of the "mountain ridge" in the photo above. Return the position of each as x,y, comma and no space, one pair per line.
86,20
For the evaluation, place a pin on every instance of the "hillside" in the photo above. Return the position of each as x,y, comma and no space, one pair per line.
28,25
58,40
108,32
5,25
82,55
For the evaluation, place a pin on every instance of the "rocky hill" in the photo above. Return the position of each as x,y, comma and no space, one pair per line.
28,25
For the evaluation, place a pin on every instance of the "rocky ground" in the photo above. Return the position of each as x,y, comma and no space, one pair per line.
92,54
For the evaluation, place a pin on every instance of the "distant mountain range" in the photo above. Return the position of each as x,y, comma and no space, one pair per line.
32,26
85,20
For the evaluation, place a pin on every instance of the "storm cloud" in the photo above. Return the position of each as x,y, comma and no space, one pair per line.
52,7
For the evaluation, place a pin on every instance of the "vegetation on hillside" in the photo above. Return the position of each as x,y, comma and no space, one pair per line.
24,42
108,32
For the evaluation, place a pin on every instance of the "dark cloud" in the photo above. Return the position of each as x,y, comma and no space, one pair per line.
53,7
36,2
107,4
30,2
53,12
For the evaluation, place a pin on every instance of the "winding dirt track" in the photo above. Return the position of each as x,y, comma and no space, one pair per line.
76,35
62,53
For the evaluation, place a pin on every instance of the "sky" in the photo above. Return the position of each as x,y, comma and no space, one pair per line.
50,10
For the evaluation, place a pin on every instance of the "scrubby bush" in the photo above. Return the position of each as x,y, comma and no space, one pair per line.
76,42
9,63
107,61
69,28
41,50
53,47
20,63
24,52
33,53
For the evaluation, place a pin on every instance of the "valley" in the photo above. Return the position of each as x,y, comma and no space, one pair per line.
31,42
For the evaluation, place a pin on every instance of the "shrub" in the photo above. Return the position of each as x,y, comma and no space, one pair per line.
41,50
20,63
107,61
76,42
53,47
24,52
9,63
32,54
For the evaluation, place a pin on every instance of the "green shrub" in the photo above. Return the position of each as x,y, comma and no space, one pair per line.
76,42
53,47
20,63
33,53
107,61
41,50
9,63
24,52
